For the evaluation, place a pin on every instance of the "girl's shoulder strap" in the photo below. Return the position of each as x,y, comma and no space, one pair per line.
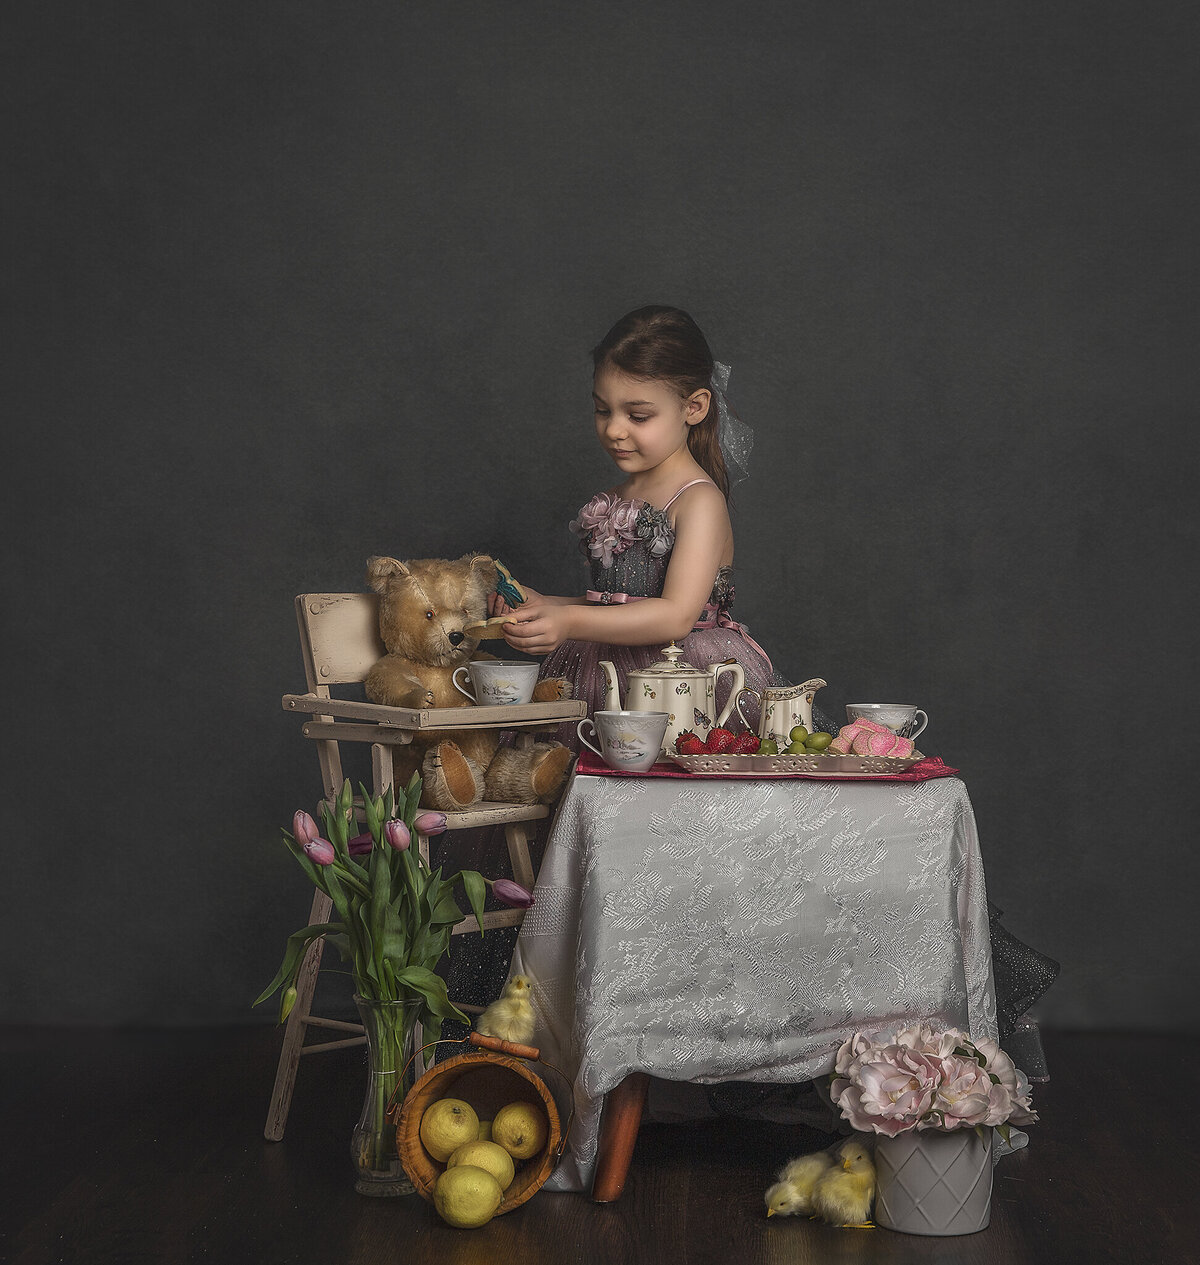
683,489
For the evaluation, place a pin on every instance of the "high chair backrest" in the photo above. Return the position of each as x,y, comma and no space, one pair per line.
339,638
339,641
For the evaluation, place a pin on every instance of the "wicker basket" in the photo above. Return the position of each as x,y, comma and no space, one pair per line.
495,1072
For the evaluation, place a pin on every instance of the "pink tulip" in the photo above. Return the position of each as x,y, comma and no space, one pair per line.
319,851
509,893
304,829
397,834
430,823
360,845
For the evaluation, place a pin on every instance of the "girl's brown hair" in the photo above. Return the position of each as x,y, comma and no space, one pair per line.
665,344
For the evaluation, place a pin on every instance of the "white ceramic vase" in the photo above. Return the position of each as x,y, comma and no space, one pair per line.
934,1183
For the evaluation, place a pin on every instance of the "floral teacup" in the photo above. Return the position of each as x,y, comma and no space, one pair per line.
498,681
629,741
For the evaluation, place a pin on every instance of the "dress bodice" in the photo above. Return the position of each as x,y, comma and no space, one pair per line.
628,546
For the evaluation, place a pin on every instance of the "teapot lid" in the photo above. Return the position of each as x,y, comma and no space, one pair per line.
671,664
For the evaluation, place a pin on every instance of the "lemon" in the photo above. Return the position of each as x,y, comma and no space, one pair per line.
490,1157
466,1196
485,1131
446,1125
521,1129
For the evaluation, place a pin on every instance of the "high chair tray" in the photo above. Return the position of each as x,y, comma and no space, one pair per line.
508,716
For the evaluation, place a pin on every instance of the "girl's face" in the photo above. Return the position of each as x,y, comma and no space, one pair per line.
641,423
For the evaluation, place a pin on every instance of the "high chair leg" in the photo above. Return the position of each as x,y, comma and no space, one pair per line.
293,1035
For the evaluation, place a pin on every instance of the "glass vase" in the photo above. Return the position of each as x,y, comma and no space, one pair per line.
389,1027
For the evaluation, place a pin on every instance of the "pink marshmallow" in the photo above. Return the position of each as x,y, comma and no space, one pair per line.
882,744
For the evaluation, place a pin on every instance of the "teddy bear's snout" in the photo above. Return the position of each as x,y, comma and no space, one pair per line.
455,638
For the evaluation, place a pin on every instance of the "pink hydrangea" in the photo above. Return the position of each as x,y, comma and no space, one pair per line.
1013,1079
966,1097
890,1091
924,1077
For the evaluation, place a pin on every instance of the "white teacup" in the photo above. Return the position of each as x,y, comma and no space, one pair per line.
498,681
629,741
900,718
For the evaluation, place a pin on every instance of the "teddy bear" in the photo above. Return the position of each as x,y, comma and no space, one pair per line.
424,608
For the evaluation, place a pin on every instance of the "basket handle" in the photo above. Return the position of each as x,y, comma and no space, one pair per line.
530,1052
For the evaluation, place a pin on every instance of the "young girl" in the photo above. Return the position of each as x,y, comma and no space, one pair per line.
659,544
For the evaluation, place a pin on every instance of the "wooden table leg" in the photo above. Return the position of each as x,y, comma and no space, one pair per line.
618,1133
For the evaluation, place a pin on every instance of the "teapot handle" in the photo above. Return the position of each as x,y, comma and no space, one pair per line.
739,684
737,702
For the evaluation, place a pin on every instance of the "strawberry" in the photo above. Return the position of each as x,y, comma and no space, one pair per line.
719,741
745,743
688,743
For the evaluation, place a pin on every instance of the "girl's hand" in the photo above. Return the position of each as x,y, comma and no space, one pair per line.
498,606
538,626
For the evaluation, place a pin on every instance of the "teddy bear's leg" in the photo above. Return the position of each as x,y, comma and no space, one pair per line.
528,775
452,782
405,762
552,689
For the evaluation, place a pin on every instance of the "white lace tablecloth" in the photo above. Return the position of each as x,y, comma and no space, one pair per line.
741,930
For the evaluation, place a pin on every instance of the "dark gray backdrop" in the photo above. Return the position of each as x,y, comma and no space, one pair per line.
296,283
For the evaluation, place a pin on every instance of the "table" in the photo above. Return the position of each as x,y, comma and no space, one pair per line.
707,930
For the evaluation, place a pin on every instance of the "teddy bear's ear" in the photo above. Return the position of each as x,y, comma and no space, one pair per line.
381,570
484,566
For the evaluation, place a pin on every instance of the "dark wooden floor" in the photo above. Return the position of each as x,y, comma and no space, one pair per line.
146,1146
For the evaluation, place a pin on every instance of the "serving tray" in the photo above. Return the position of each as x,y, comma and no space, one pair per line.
795,765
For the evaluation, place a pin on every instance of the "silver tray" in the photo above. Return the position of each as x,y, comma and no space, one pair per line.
795,765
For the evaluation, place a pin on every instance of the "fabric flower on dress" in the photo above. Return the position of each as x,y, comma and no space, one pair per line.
607,525
654,527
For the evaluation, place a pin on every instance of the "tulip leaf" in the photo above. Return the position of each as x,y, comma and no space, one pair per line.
476,890
372,815
446,911
433,988
293,954
1004,1131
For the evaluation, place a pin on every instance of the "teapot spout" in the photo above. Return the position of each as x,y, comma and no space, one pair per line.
612,691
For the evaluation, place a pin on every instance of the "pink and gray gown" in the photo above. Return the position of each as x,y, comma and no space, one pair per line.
628,545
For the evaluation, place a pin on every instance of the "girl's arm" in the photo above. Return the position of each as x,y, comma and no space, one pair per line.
703,537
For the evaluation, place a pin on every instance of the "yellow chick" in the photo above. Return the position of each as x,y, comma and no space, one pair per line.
792,1193
843,1194
510,1016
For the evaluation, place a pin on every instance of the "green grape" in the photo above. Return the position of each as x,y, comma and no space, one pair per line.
768,746
798,734
818,741
796,748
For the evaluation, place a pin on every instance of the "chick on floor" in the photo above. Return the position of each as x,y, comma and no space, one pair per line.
843,1194
510,1016
791,1195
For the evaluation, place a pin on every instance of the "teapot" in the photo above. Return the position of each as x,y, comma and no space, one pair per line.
687,694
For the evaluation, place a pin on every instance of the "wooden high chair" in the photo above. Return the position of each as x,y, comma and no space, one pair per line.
339,640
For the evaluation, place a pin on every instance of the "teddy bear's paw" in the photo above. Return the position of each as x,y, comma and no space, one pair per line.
452,782
552,689
550,771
